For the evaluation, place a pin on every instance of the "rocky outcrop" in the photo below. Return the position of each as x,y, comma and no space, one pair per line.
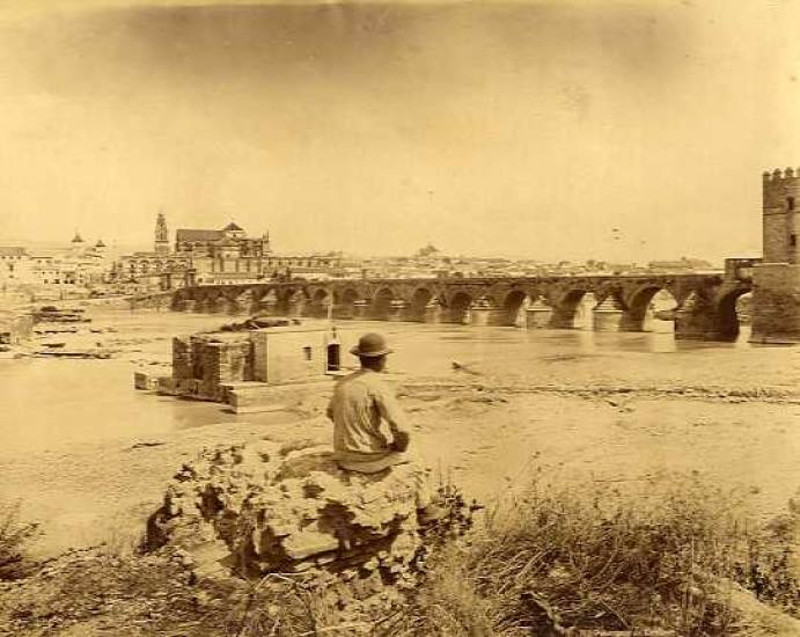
267,507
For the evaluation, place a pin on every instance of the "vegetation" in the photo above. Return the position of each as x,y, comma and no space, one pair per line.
675,557
593,558
14,537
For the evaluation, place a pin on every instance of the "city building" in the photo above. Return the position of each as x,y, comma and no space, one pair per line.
202,256
72,270
14,267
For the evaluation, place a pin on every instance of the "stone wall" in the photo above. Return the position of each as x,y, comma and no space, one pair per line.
776,303
203,363
182,358
267,507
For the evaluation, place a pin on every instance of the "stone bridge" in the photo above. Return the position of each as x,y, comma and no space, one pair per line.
705,302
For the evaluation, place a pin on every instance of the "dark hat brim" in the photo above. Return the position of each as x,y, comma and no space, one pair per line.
383,352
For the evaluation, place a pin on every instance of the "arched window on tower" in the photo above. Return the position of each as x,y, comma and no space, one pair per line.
790,203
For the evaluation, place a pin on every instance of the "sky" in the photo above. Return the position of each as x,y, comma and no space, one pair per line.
547,130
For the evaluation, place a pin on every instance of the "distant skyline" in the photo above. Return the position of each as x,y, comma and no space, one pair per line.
116,249
548,130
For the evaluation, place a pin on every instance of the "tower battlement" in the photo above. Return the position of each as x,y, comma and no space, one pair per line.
778,175
781,204
780,187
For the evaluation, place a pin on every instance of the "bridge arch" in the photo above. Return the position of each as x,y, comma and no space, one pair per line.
458,308
420,299
566,308
213,302
514,305
292,301
320,299
642,307
266,302
382,303
345,308
726,315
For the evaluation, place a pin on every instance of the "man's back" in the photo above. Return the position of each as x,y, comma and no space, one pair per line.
361,401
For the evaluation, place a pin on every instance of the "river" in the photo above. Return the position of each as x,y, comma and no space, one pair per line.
71,428
49,403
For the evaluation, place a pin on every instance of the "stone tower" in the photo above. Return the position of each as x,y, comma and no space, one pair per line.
162,236
776,281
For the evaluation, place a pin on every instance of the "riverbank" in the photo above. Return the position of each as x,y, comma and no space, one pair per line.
88,455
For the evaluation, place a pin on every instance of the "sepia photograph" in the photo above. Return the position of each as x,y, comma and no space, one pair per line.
421,318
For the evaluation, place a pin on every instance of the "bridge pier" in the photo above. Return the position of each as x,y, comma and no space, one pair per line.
361,310
608,316
694,319
397,311
432,313
629,322
219,305
265,307
483,313
560,320
538,316
293,307
203,306
776,303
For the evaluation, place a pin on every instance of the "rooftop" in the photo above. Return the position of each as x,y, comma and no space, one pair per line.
189,234
12,251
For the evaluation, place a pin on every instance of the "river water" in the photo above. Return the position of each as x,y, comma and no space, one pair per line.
48,403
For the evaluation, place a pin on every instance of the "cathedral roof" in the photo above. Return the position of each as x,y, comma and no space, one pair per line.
77,238
232,227
188,234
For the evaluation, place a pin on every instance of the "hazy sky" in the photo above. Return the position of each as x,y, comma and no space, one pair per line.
530,129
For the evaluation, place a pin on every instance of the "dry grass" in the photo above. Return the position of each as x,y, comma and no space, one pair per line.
550,560
593,558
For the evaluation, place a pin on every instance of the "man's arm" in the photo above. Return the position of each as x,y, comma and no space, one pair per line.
391,411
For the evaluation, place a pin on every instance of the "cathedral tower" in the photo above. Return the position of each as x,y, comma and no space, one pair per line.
162,236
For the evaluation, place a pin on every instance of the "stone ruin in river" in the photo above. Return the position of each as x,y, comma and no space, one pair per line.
266,507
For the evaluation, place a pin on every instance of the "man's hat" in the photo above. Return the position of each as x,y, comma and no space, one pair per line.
371,345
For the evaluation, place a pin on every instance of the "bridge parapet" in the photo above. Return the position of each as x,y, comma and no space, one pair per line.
741,268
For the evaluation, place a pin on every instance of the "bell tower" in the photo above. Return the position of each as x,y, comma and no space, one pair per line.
162,236
776,281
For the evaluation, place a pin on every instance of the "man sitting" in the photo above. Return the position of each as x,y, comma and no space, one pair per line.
361,402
